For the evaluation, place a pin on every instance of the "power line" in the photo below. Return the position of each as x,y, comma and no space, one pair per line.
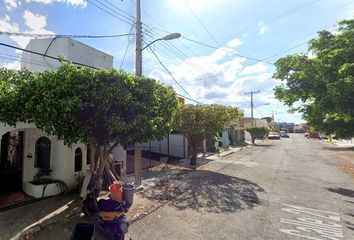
225,50
275,18
201,23
301,44
163,65
120,10
44,55
189,98
113,15
20,34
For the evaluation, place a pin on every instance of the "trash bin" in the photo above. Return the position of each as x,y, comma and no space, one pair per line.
128,194
83,231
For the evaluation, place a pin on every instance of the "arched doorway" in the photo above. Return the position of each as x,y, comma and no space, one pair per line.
42,157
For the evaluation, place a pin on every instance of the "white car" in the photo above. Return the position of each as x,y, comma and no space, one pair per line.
274,135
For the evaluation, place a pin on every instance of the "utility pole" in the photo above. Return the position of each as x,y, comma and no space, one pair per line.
138,72
252,104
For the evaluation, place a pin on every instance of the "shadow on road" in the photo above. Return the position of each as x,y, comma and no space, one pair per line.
342,191
263,145
203,190
339,149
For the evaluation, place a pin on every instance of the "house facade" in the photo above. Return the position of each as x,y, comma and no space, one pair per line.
25,150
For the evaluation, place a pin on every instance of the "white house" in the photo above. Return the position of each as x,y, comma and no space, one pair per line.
25,149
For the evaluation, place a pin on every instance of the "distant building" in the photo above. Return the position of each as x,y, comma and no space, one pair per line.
284,126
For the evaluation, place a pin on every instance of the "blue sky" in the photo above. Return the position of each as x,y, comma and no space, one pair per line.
238,30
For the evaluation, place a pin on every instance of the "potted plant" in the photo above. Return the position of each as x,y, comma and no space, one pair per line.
43,185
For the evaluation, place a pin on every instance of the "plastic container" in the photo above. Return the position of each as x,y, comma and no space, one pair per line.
83,231
116,192
128,194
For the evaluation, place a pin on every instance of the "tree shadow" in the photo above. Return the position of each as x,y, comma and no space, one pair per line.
200,161
208,191
342,191
339,149
263,145
24,219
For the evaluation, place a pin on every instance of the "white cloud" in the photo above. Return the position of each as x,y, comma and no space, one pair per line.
34,21
11,4
75,3
221,78
11,65
234,43
262,28
256,68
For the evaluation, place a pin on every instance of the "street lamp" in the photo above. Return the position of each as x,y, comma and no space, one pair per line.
138,72
165,38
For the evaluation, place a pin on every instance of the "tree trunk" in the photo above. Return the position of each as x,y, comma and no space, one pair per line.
103,155
194,155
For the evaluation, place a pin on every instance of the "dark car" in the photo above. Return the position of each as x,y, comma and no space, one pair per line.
284,134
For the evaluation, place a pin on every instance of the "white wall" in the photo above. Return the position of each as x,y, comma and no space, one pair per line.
176,145
120,154
62,158
70,49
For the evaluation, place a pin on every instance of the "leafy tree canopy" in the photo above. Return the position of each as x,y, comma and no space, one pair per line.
257,132
97,107
198,121
86,105
321,86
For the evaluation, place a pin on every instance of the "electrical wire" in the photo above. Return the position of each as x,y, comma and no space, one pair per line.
20,34
113,15
201,23
274,18
168,71
44,55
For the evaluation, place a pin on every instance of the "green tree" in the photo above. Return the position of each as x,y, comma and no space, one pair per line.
198,121
321,86
257,132
101,108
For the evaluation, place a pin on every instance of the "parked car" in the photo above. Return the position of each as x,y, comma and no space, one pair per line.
274,135
313,135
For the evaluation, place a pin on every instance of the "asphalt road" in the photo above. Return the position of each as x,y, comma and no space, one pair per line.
282,189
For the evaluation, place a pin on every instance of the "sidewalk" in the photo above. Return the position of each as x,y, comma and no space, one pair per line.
54,218
17,222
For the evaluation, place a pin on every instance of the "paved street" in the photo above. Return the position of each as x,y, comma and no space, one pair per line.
287,189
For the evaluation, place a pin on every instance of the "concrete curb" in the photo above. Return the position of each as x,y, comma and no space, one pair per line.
40,224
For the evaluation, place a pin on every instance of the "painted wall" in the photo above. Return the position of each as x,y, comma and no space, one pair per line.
176,145
70,49
62,158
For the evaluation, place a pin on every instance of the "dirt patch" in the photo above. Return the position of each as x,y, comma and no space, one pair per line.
346,163
344,160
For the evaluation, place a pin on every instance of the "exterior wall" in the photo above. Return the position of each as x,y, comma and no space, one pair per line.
225,138
70,49
62,158
120,154
178,146
256,122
